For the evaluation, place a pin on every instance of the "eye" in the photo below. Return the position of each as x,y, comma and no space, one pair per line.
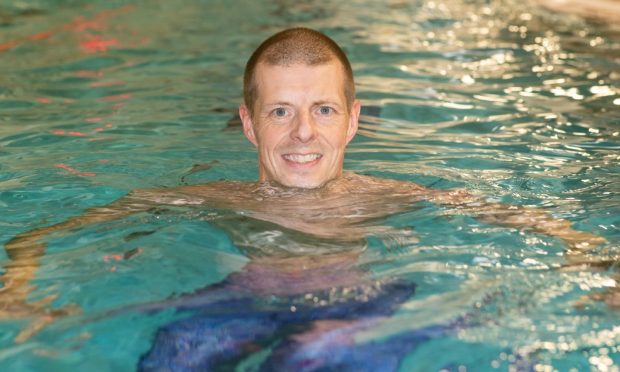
280,112
325,110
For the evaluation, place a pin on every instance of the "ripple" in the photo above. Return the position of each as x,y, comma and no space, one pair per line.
514,103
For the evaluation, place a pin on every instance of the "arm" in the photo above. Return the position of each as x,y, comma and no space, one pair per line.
577,242
25,251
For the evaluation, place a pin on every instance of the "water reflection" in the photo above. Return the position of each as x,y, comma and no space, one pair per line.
516,103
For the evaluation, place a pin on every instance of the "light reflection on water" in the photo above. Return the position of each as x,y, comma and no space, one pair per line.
510,101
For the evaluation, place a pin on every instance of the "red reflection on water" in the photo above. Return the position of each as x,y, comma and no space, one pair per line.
60,132
77,134
97,44
41,35
8,45
101,129
116,97
116,257
80,25
74,171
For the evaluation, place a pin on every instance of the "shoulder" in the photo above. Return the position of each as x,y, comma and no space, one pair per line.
377,184
220,192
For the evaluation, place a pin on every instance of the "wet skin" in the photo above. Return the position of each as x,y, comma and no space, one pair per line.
343,213
301,123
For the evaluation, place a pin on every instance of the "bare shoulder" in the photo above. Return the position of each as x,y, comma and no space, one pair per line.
371,184
392,187
230,187
217,193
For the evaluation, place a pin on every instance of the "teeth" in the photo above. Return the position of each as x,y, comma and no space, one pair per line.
298,158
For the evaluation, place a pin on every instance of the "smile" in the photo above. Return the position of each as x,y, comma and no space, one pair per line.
301,158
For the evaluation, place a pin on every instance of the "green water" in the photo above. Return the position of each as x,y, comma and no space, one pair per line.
504,98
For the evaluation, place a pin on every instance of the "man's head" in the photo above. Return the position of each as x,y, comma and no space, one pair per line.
300,108
295,46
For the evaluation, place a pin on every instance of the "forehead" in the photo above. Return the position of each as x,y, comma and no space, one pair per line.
326,78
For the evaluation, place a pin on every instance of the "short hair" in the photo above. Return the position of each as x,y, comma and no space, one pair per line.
293,46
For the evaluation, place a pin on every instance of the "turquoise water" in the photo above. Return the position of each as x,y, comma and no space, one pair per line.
506,99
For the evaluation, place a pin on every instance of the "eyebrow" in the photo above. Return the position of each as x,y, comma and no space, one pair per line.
279,103
328,102
316,103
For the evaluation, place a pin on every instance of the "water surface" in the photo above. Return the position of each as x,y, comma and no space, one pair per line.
506,99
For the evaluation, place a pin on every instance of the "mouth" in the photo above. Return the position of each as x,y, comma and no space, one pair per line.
302,159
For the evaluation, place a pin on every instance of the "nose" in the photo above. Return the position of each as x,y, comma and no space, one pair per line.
305,128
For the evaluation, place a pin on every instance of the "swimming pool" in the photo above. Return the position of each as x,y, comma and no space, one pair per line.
510,101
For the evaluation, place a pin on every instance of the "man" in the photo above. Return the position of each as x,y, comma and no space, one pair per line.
300,112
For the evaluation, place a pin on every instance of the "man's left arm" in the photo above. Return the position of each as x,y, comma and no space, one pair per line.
538,220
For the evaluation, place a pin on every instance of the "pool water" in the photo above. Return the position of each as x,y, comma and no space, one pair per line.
505,99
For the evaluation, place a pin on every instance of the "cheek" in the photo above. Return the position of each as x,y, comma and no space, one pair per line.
337,139
268,140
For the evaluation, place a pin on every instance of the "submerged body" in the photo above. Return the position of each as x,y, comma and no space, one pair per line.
324,227
302,332
302,298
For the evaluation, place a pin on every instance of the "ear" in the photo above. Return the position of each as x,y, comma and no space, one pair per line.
248,128
354,117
